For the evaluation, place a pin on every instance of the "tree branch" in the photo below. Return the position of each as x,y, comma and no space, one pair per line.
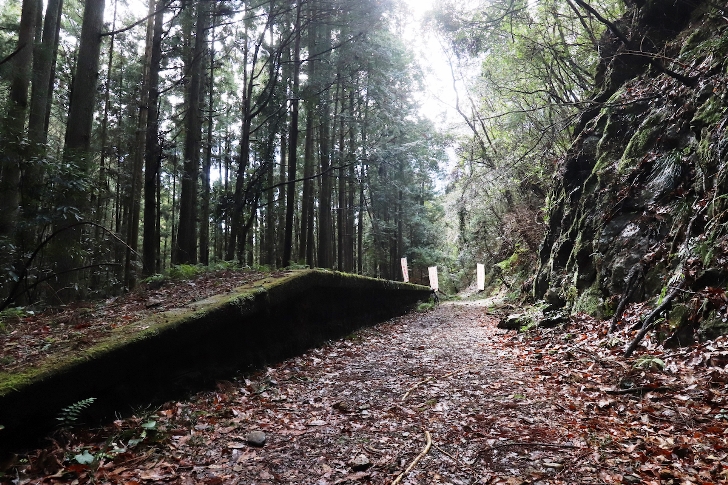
687,81
138,22
24,273
13,54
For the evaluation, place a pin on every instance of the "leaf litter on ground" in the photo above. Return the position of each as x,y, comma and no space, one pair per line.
549,406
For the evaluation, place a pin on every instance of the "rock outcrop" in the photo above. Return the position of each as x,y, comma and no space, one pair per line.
641,200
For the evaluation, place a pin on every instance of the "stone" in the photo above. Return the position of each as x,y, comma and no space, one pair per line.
256,438
713,326
360,463
514,322
711,277
554,298
342,406
683,336
553,319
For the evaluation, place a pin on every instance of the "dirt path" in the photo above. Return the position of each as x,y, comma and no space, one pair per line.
376,395
498,409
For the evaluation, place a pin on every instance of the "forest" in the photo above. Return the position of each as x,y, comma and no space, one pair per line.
142,141
278,134
188,181
268,134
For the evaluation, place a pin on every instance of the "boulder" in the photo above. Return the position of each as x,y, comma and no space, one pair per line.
514,321
256,438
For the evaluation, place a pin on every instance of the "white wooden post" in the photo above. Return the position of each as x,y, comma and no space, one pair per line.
433,278
405,273
481,277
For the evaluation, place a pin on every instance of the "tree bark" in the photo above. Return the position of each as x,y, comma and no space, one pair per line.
152,154
43,60
350,189
81,109
282,204
341,190
130,274
186,252
324,219
307,202
14,129
33,174
78,144
292,144
207,164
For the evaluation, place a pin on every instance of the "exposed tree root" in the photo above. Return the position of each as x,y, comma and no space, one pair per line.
638,390
417,459
652,317
536,445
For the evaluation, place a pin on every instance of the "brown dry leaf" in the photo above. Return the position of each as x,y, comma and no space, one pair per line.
153,475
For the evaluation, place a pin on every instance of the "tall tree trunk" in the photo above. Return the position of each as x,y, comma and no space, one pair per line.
43,63
81,109
43,58
268,252
360,224
324,220
282,204
14,128
77,144
33,175
362,178
341,189
173,202
306,243
236,242
153,153
307,201
293,143
350,188
205,219
130,274
101,199
187,232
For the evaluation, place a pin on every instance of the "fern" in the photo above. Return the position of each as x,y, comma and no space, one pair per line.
70,415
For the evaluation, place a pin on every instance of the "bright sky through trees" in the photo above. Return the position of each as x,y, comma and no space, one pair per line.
438,98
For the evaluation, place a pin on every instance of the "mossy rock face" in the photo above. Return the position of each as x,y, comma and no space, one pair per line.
516,321
712,327
655,148
679,315
591,303
171,354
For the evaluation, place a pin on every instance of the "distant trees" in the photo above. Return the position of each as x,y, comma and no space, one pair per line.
536,64
270,133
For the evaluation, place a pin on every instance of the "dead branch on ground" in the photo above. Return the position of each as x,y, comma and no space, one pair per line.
428,445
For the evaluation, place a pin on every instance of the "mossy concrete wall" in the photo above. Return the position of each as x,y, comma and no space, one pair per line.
176,352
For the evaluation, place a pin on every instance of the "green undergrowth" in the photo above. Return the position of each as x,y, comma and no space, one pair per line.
189,271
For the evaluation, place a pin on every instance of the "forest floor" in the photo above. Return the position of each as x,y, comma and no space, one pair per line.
428,398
